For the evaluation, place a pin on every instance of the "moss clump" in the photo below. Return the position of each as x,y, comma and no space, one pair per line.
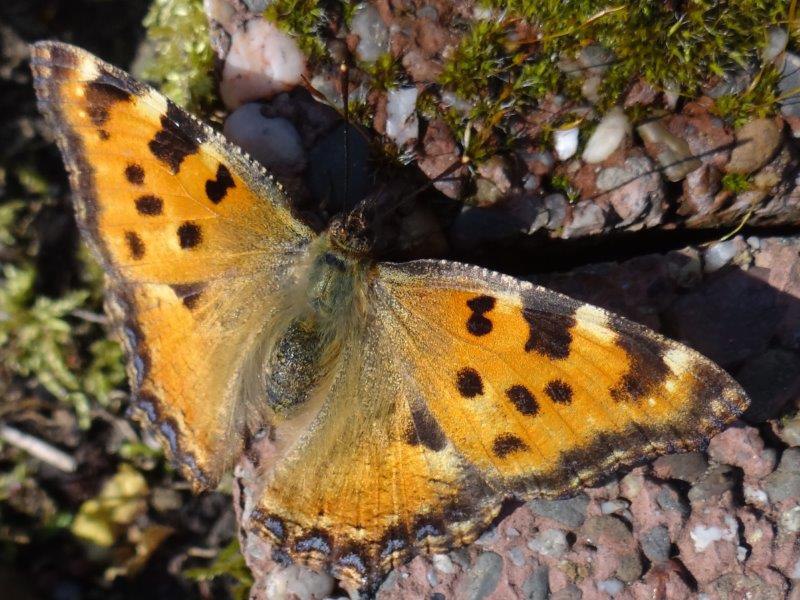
735,182
384,73
680,43
760,99
181,61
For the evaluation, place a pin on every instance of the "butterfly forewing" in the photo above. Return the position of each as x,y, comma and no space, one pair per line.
195,239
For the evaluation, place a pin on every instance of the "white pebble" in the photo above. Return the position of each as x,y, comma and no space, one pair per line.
777,38
550,542
607,137
795,572
565,142
373,35
296,582
790,520
703,536
442,562
612,587
274,142
262,62
720,254
401,115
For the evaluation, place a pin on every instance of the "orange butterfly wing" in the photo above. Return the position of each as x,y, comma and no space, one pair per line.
195,239
463,387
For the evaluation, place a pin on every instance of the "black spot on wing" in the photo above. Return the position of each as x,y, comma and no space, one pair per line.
189,235
135,245
216,189
523,400
134,174
180,136
469,382
149,205
424,429
549,332
559,391
477,323
507,443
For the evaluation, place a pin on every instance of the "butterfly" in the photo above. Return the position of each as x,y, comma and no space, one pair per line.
405,401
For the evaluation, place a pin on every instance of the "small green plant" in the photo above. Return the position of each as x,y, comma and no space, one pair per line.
37,340
562,184
735,182
229,562
181,61
384,73
480,56
760,99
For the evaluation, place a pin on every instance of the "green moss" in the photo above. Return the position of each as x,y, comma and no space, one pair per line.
304,19
653,40
760,99
384,73
735,182
181,60
480,56
562,184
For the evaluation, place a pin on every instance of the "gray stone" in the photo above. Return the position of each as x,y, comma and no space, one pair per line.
790,431
587,218
569,511
656,544
570,592
550,542
256,6
690,466
482,578
719,254
373,35
718,480
670,499
536,585
784,483
757,141
788,85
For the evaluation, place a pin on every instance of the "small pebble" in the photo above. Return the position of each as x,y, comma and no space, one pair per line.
401,115
607,137
756,143
550,542
720,254
674,154
442,562
565,142
656,544
274,142
516,556
262,62
777,38
569,511
789,84
612,587
296,582
373,35
482,579
703,536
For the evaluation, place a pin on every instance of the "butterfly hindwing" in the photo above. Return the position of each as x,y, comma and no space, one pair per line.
188,230
465,387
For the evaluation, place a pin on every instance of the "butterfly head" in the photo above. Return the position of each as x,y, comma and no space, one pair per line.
353,233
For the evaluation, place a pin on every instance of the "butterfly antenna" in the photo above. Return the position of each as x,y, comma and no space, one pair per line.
344,74
461,162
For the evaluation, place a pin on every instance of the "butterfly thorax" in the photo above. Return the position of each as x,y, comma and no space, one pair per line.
333,279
